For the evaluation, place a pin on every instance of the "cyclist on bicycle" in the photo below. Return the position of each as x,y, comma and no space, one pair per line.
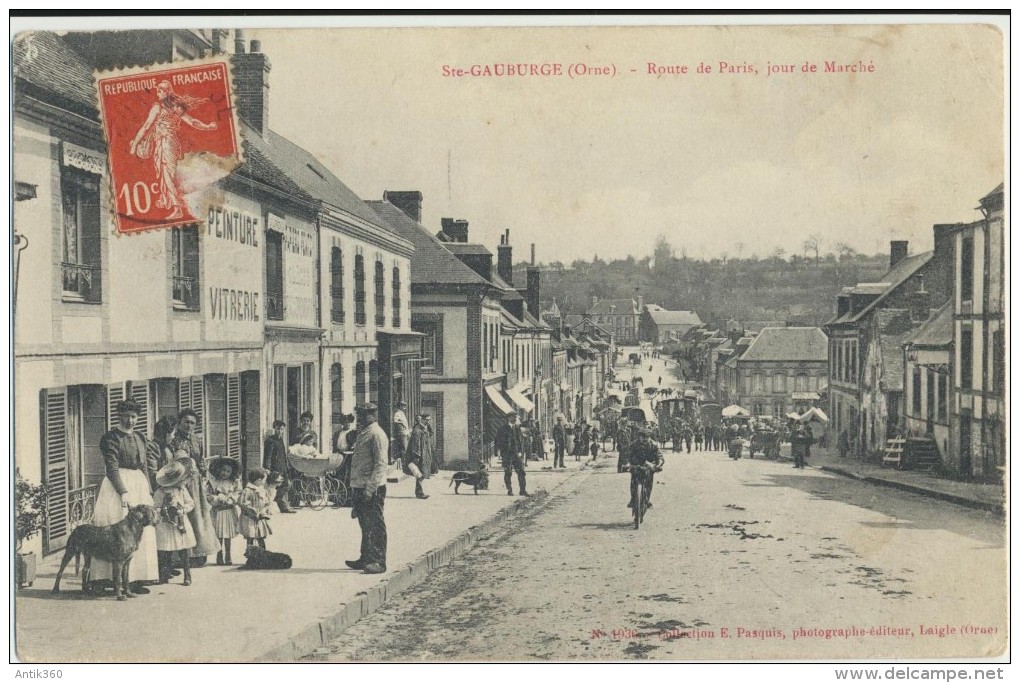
645,461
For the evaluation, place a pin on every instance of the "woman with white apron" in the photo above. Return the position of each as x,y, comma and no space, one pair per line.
127,484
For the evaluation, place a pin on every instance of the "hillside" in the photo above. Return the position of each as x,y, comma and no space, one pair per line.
798,289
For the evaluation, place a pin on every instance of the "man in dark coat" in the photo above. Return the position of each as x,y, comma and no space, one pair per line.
510,447
416,455
274,459
559,435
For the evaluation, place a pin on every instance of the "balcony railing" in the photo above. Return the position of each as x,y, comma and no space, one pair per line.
274,306
81,506
82,282
185,293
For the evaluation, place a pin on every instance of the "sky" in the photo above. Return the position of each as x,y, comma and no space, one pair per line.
602,165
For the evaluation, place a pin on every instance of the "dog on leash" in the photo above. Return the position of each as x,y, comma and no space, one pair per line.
479,479
260,558
115,544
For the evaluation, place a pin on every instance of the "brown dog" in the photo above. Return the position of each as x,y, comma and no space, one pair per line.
115,544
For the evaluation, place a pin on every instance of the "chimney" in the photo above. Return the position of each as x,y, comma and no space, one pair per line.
408,201
533,253
897,252
532,297
842,305
504,259
219,41
640,300
251,83
920,304
456,230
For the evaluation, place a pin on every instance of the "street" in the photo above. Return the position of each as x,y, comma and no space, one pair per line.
754,547
737,559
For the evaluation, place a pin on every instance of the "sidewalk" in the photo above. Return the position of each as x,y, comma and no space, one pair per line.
975,495
232,615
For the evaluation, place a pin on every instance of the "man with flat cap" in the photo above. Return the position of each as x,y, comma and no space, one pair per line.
368,481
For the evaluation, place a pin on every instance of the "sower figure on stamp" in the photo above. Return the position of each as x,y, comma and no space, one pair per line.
510,447
368,481
159,139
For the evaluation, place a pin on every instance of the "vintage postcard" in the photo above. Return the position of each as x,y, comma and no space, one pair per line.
506,343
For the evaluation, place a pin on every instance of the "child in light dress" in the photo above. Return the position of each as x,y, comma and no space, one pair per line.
254,502
173,531
224,491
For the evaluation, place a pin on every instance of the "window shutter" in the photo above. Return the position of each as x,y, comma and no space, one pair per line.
114,395
234,416
139,393
198,403
191,396
54,446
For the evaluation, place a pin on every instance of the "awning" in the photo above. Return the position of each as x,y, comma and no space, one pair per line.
497,400
735,411
521,400
814,415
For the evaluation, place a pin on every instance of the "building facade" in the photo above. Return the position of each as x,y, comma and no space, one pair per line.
780,369
227,317
978,412
851,334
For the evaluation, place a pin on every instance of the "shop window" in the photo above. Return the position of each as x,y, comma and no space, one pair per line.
80,251
184,262
943,402
274,275
999,363
336,286
430,325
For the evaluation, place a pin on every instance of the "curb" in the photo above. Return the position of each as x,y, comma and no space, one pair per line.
996,508
368,602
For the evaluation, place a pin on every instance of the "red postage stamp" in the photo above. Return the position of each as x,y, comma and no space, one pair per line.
171,132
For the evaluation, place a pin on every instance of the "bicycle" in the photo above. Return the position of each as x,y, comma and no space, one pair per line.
640,506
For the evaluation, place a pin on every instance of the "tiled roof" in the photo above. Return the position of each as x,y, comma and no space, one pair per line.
664,317
999,189
606,307
511,319
788,344
509,293
572,319
309,174
535,322
431,263
467,248
895,277
45,60
938,331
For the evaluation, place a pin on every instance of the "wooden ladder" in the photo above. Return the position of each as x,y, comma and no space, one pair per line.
894,452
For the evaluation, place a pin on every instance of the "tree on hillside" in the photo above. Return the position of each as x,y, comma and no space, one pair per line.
813,243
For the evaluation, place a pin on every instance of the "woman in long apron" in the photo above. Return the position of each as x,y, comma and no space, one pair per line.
127,484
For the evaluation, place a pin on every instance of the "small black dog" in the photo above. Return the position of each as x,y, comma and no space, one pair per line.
260,558
478,479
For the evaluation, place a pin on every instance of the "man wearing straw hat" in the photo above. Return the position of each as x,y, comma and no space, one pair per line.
368,481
